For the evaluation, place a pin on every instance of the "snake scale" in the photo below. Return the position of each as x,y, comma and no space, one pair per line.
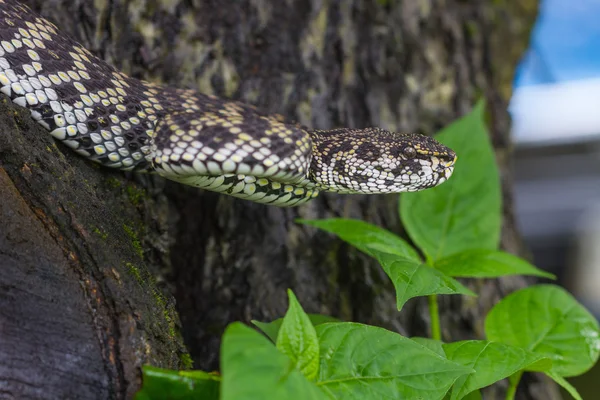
194,138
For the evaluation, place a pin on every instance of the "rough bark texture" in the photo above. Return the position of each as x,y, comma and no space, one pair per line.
79,311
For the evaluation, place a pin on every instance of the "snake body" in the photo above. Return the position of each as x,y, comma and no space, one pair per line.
194,138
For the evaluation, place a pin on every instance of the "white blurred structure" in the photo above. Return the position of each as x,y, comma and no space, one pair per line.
556,113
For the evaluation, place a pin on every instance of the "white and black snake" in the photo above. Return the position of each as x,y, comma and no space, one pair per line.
196,139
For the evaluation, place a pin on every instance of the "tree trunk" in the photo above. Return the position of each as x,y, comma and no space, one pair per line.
80,311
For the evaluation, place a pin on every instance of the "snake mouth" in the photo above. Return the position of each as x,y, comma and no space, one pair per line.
440,164
452,162
447,170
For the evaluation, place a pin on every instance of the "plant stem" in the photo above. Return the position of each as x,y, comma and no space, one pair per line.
512,387
434,316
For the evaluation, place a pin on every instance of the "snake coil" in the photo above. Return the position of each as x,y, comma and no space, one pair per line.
193,138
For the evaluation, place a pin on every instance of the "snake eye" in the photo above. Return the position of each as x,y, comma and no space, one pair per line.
410,152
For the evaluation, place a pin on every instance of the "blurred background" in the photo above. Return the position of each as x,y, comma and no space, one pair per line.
556,133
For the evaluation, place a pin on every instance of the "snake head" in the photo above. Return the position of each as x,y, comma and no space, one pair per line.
374,160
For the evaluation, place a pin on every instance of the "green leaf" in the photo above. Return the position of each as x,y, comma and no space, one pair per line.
547,320
297,339
366,237
271,329
491,362
413,279
254,369
366,362
161,384
481,263
400,261
465,212
474,395
432,344
565,384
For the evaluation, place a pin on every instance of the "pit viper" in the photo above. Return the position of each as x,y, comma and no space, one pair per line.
194,138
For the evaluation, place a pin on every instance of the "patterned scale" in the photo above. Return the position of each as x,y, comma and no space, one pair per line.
374,160
235,149
126,123
85,103
196,139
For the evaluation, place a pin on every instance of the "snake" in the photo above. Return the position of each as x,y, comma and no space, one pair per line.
194,138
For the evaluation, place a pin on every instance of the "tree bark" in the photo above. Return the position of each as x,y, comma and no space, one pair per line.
80,311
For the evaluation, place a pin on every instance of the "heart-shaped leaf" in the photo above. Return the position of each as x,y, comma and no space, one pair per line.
254,369
465,212
365,362
491,362
547,320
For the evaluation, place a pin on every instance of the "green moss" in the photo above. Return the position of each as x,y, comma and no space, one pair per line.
135,194
166,310
170,322
103,235
87,184
135,272
147,282
135,241
472,29
186,361
160,299
113,182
